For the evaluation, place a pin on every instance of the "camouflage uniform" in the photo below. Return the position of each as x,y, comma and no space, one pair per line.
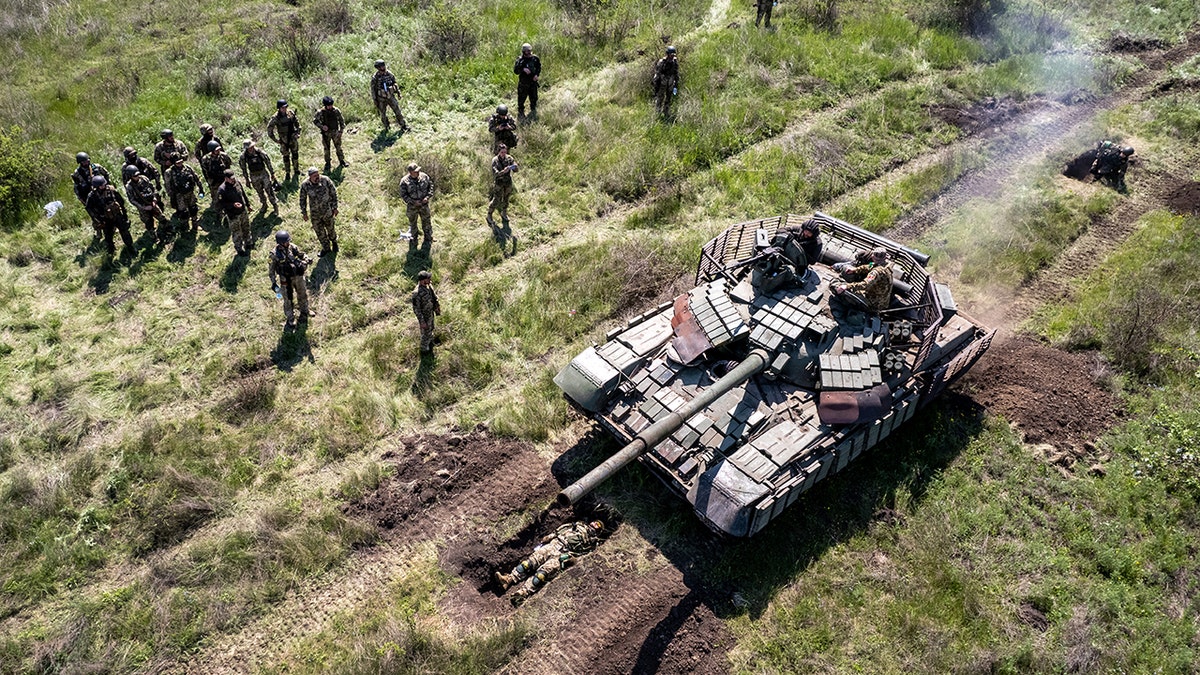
182,182
213,166
415,192
201,148
503,131
425,306
106,206
323,198
82,179
144,197
146,168
383,92
527,83
871,283
502,186
288,126
557,550
666,83
228,196
163,150
257,171
1110,164
764,10
286,266
331,118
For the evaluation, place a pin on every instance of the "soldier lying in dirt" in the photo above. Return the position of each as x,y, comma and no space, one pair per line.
555,552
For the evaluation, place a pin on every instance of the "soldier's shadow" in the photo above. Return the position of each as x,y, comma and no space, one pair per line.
103,279
323,273
234,271
292,348
423,380
505,239
264,224
216,232
417,259
96,245
287,188
384,140
183,245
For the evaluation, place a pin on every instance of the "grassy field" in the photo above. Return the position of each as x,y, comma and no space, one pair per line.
172,461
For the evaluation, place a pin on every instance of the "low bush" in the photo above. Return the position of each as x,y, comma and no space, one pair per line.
27,176
451,35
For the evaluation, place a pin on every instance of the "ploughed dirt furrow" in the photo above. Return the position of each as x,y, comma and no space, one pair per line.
1028,139
470,487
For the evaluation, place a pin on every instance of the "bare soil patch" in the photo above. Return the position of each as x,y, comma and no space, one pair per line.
985,114
1184,199
1049,394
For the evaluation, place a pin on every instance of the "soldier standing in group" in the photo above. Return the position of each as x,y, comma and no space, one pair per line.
503,167
213,165
383,93
143,166
285,124
257,171
207,135
871,280
166,147
416,189
425,306
764,11
182,183
503,128
555,552
144,197
320,194
106,207
231,197
286,266
331,123
82,179
666,81
528,70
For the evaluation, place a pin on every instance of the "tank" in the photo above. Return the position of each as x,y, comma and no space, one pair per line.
746,391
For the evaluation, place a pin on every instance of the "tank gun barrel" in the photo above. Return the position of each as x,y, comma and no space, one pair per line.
654,434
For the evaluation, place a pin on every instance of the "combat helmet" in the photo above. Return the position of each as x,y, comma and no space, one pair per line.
280,103
1127,150
206,129
212,145
129,172
82,157
671,49
379,63
166,133
423,275
282,237
501,109
130,153
328,100
99,182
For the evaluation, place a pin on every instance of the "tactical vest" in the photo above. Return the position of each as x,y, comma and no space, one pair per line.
287,264
183,180
144,190
255,162
288,125
110,209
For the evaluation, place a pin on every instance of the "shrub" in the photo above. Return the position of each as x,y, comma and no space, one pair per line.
451,35
332,17
211,81
301,47
26,177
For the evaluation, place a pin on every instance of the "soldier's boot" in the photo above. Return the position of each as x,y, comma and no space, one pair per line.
342,158
328,166
490,222
520,596
504,580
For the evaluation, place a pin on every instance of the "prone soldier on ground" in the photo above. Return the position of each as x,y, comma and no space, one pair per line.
106,207
213,164
666,81
207,135
870,280
231,197
166,147
143,166
319,198
503,128
426,307
143,196
503,167
284,129
528,70
331,123
257,171
416,189
182,183
384,91
286,266
555,552
82,179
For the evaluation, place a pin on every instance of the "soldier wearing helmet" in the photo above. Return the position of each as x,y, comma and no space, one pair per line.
870,280
416,189
555,552
143,165
143,196
528,70
503,167
331,123
384,91
319,197
284,129
168,146
82,178
207,135
230,196
257,171
285,267
1111,162
182,183
425,305
666,82
503,128
213,165
106,206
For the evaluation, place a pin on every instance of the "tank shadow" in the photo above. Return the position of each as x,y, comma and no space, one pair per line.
735,576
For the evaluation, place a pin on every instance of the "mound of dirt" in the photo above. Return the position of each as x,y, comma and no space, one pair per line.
984,114
1124,42
1049,394
1080,168
1184,199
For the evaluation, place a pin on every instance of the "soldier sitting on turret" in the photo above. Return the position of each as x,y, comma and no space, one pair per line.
871,280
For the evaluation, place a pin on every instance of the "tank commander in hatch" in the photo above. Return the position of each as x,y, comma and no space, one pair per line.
555,552
870,280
